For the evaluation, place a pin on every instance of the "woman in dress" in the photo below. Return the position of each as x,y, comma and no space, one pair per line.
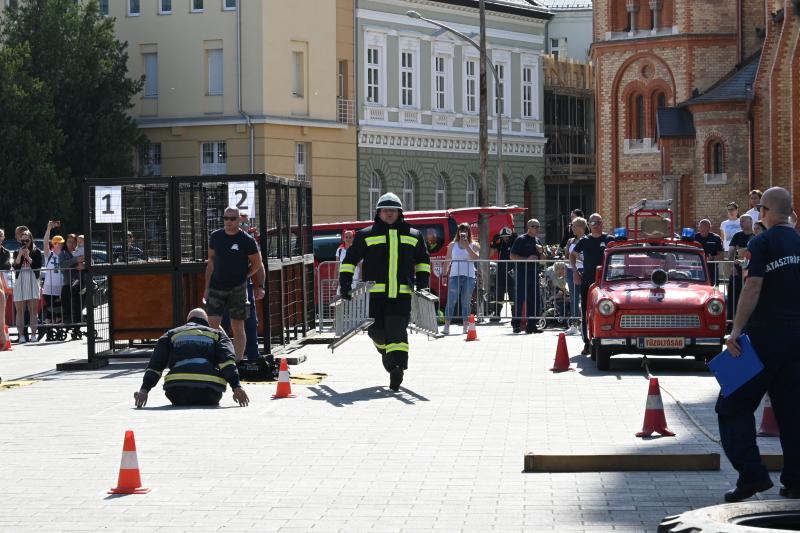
27,265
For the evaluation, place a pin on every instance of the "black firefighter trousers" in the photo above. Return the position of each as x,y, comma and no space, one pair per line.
389,333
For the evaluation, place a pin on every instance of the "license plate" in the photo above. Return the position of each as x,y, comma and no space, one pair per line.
661,342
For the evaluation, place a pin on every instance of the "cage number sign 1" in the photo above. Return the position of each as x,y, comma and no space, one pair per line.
242,194
108,205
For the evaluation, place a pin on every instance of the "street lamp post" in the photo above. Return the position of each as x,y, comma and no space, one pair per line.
497,90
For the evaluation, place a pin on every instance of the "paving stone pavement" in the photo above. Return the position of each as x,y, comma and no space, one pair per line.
444,454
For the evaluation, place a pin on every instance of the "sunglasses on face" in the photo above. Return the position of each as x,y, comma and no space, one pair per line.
232,219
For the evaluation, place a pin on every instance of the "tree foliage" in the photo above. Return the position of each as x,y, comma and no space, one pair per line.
72,97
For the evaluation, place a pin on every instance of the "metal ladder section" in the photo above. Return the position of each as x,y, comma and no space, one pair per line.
351,317
423,313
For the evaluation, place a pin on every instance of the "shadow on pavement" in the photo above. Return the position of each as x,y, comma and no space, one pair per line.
340,399
170,407
634,364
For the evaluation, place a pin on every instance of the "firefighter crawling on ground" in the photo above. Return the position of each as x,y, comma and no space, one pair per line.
395,258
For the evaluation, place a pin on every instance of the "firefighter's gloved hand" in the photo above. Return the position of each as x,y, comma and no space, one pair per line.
423,282
344,291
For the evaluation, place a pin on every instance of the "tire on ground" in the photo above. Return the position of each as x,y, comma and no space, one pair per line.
744,517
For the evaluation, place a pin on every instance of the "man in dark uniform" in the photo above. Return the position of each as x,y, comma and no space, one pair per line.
526,250
502,242
769,313
395,256
712,244
200,361
593,248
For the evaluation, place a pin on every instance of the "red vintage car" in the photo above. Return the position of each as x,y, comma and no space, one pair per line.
653,296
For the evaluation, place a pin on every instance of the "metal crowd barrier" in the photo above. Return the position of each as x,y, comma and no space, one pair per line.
60,307
553,307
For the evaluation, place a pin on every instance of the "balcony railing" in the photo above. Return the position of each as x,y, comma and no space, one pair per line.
345,111
569,164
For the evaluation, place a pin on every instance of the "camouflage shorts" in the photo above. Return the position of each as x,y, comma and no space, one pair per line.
234,300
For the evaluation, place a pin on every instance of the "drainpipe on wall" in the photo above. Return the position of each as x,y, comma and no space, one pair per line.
239,85
355,106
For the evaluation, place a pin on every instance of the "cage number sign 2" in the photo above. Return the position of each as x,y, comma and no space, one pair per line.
108,205
242,194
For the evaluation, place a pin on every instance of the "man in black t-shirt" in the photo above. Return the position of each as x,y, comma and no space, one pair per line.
738,243
712,244
593,248
526,250
232,258
502,242
769,313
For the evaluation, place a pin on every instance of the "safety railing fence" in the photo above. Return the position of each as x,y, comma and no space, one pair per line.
48,302
512,288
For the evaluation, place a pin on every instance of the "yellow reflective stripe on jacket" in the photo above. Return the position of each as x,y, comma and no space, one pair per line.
378,287
203,332
394,256
196,377
156,372
409,239
397,347
377,239
347,268
379,346
226,363
422,267
405,289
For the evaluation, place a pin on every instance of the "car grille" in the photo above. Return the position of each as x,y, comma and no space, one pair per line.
660,321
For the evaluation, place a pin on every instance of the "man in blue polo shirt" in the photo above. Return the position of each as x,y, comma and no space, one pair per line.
769,313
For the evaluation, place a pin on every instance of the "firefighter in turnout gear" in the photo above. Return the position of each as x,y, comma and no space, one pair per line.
395,257
200,361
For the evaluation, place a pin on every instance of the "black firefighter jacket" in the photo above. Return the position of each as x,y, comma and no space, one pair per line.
394,256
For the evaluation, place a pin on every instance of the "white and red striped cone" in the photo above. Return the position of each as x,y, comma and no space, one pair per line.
654,419
284,383
129,481
769,424
472,333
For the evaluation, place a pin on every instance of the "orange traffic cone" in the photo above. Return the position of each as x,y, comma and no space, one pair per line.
472,333
769,424
7,347
284,384
129,481
654,419
561,363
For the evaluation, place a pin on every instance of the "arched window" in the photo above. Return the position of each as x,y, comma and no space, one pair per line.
472,192
636,119
717,158
375,188
659,100
441,193
408,192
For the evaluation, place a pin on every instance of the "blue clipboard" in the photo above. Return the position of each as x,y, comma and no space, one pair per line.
733,372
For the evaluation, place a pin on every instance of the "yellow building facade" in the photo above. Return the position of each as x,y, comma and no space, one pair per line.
237,87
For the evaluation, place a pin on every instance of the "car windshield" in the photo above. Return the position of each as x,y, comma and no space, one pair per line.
633,265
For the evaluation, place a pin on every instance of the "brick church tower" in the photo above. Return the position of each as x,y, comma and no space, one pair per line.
675,94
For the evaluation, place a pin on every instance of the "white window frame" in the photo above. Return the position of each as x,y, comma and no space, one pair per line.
408,192
555,50
131,13
226,7
530,62
151,160
408,63
409,45
298,73
161,10
213,90
442,53
440,196
376,41
193,9
150,89
472,192
502,62
474,78
301,161
218,151
375,188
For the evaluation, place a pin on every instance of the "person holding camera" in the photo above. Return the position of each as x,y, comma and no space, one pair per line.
460,273
27,265
53,280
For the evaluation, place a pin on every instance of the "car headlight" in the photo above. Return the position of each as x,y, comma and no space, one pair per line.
606,307
715,307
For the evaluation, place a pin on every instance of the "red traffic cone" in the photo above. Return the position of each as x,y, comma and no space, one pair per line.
472,333
284,384
129,481
561,363
654,419
769,424
7,347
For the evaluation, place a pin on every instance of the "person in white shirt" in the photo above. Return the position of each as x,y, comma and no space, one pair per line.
755,199
730,226
341,252
52,274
